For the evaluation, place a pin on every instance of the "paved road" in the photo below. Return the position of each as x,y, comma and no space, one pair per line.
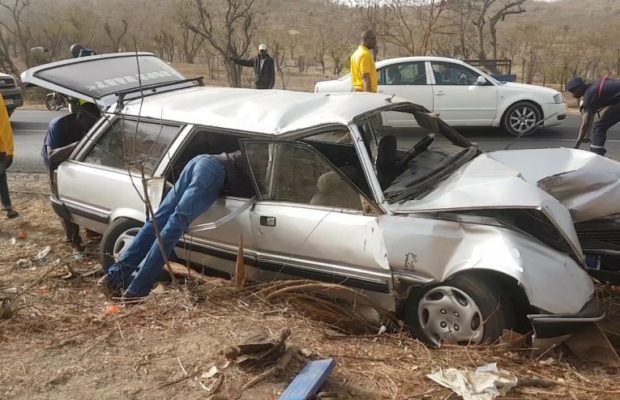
29,129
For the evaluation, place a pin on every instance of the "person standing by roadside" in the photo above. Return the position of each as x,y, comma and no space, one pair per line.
603,93
363,70
264,68
6,159
63,135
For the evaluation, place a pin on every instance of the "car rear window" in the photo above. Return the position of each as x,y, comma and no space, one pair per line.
132,145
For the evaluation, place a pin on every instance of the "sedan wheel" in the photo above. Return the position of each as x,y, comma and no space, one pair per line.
449,315
463,310
521,118
117,239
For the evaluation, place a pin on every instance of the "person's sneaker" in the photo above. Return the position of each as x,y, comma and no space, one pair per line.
109,289
10,213
130,299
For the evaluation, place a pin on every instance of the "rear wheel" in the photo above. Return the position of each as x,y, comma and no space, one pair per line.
521,118
117,239
462,310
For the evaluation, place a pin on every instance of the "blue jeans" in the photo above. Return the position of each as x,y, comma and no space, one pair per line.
609,118
197,188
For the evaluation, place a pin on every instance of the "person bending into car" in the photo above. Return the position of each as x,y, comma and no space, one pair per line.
198,186
63,135
603,93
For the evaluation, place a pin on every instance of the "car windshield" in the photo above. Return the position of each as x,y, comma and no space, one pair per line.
412,151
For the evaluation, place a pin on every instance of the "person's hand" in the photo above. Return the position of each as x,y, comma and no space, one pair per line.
8,162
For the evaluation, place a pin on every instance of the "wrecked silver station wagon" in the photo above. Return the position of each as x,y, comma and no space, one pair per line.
459,243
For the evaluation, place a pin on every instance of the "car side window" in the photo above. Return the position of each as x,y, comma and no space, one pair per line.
290,172
132,145
413,73
453,74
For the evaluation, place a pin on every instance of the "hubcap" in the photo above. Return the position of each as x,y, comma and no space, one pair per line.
522,119
448,315
123,241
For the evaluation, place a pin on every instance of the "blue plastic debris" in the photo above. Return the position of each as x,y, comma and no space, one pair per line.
308,382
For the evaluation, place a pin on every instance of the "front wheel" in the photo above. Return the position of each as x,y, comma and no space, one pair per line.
463,310
52,103
116,239
521,118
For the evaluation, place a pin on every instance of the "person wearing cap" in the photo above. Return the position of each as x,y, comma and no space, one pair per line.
603,93
363,70
264,68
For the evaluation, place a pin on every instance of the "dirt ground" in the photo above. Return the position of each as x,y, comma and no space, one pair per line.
62,339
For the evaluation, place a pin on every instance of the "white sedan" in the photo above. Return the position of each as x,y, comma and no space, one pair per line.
462,94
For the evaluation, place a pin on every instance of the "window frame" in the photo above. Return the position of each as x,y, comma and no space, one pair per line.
316,153
91,140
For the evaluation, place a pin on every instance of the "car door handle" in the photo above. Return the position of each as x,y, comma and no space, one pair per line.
267,221
440,93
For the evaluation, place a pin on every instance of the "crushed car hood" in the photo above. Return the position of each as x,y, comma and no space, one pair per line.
487,183
585,183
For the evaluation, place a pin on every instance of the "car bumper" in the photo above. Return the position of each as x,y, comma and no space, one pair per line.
12,97
550,326
556,112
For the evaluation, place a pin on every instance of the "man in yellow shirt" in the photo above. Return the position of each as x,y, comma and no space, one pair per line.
363,70
6,159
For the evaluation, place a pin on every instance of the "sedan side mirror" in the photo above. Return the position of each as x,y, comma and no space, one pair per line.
481,81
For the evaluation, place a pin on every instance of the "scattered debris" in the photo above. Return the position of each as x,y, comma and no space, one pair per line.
23,235
43,253
309,381
23,263
591,344
259,353
112,309
485,383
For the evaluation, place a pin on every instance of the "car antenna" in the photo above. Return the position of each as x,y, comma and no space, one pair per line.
530,130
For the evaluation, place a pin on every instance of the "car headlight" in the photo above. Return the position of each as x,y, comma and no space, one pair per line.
558,99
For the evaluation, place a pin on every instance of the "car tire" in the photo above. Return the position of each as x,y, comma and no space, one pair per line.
521,117
463,310
116,238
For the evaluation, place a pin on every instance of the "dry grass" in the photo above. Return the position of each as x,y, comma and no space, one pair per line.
61,339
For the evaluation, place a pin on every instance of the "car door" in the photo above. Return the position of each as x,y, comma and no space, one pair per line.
309,220
105,173
459,98
408,80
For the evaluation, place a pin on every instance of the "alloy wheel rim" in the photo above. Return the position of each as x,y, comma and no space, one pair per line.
522,119
448,315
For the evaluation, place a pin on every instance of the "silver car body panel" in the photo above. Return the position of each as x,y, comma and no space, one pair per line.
434,250
585,183
485,183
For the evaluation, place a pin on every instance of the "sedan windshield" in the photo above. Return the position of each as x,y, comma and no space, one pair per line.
413,151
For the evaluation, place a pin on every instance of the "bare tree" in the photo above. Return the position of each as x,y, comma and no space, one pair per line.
228,32
116,39
165,43
191,41
482,9
281,61
17,29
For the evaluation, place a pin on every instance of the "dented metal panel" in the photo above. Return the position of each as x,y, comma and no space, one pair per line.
485,183
434,249
587,184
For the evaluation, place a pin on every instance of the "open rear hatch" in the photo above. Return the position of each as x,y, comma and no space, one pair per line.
103,79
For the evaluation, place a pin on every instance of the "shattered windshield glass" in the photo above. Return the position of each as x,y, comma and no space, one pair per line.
412,151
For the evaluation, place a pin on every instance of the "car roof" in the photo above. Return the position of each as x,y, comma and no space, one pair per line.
263,111
398,60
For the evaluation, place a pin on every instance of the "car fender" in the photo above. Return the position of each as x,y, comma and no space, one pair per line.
507,100
130,213
424,249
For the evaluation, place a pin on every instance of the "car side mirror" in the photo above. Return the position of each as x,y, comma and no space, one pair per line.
481,81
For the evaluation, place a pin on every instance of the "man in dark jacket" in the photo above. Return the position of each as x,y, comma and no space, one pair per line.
603,93
264,68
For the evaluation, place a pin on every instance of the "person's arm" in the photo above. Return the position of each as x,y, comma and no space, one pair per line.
60,154
272,74
366,65
367,82
586,124
245,62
